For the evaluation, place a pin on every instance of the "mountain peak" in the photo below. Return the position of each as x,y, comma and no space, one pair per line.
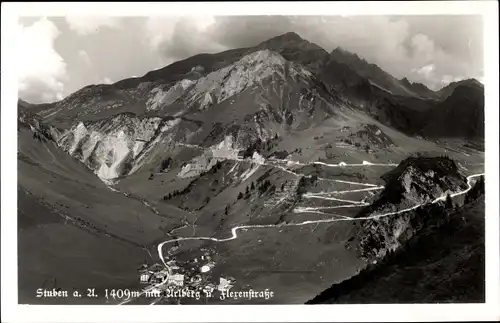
405,81
339,49
466,82
472,82
291,35
342,51
289,39
294,48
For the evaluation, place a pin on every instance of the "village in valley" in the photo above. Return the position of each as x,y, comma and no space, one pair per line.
183,282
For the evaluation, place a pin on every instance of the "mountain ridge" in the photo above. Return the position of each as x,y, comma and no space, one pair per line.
184,66
283,84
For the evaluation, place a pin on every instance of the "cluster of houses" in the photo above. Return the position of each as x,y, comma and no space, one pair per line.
193,276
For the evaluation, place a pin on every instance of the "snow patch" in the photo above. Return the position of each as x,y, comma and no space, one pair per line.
170,124
161,97
138,147
233,168
197,166
186,83
249,172
225,149
79,133
207,101
116,149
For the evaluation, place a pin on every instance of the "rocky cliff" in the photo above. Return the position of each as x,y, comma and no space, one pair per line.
417,181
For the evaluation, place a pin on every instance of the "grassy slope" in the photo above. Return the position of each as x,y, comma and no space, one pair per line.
99,246
67,185
443,264
69,257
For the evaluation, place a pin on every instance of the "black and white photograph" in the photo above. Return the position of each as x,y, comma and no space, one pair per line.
251,159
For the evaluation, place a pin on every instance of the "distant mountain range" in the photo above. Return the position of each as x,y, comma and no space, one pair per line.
409,107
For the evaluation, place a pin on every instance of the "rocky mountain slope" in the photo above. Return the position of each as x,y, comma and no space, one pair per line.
257,97
371,72
283,84
416,181
74,231
410,107
443,263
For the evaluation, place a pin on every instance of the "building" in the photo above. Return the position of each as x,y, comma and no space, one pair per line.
224,285
159,277
144,278
209,288
177,280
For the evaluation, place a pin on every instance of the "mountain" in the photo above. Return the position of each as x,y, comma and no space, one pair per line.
418,88
293,48
465,106
341,74
467,83
371,72
416,181
240,155
410,107
276,93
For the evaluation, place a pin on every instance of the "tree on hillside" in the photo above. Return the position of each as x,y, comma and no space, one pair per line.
467,198
253,186
448,203
301,186
165,164
481,184
475,191
240,196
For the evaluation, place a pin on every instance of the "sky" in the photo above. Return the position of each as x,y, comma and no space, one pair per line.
59,55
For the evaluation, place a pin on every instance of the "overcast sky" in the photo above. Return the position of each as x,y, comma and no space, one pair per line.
60,55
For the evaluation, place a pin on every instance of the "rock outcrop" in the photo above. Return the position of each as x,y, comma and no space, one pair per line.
417,181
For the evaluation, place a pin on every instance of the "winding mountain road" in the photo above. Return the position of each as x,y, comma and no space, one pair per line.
234,230
320,195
